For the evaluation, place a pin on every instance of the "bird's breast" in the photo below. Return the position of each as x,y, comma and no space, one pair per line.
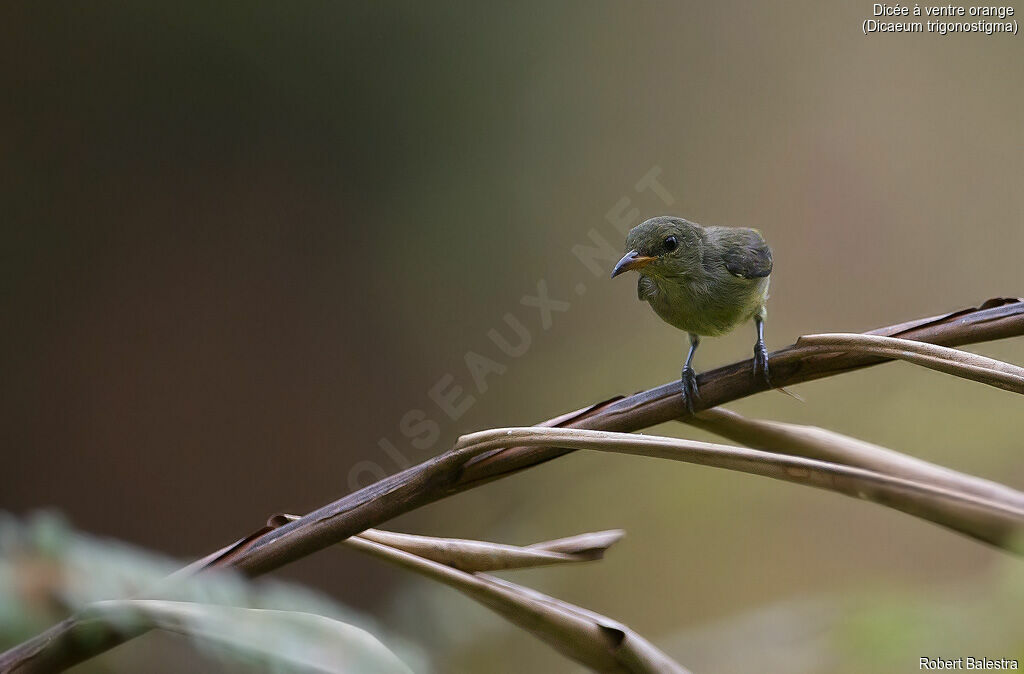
702,307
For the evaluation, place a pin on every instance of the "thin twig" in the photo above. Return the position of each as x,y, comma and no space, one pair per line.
476,556
602,644
964,364
589,638
819,443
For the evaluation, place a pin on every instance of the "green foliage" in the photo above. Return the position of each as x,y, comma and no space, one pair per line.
48,571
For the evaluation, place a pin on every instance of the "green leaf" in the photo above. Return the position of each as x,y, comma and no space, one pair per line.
290,640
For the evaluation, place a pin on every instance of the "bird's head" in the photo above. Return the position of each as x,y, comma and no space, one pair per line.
665,246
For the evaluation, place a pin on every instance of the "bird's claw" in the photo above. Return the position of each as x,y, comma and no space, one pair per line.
761,363
689,388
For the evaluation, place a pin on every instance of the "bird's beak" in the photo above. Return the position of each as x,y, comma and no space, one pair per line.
632,260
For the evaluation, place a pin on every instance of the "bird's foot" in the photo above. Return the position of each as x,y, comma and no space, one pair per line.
761,363
689,386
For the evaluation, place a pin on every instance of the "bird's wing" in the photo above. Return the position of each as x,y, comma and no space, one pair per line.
746,255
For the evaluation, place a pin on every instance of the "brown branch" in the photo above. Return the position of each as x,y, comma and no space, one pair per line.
589,638
602,644
959,363
996,318
995,521
819,443
446,474
479,556
456,471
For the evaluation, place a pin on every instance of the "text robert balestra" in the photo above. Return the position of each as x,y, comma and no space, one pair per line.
944,664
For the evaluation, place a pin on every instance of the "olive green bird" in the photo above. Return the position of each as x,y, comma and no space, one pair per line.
703,280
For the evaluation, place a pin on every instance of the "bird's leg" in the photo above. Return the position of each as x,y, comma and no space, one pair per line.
689,377
761,353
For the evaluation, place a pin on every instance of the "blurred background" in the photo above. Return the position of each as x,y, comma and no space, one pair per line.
241,243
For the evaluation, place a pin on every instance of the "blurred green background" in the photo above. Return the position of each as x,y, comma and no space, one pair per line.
242,242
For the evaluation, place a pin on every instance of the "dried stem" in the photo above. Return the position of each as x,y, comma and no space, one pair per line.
454,472
589,638
601,644
476,556
992,521
951,361
819,443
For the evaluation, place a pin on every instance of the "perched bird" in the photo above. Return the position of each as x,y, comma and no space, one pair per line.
704,280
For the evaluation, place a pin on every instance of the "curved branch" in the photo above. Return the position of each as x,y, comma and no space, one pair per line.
454,472
996,318
480,556
602,644
818,443
958,363
997,522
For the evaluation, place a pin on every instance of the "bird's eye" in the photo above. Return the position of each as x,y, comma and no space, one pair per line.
671,243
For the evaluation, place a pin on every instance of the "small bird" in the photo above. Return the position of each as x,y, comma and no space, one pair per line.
703,280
